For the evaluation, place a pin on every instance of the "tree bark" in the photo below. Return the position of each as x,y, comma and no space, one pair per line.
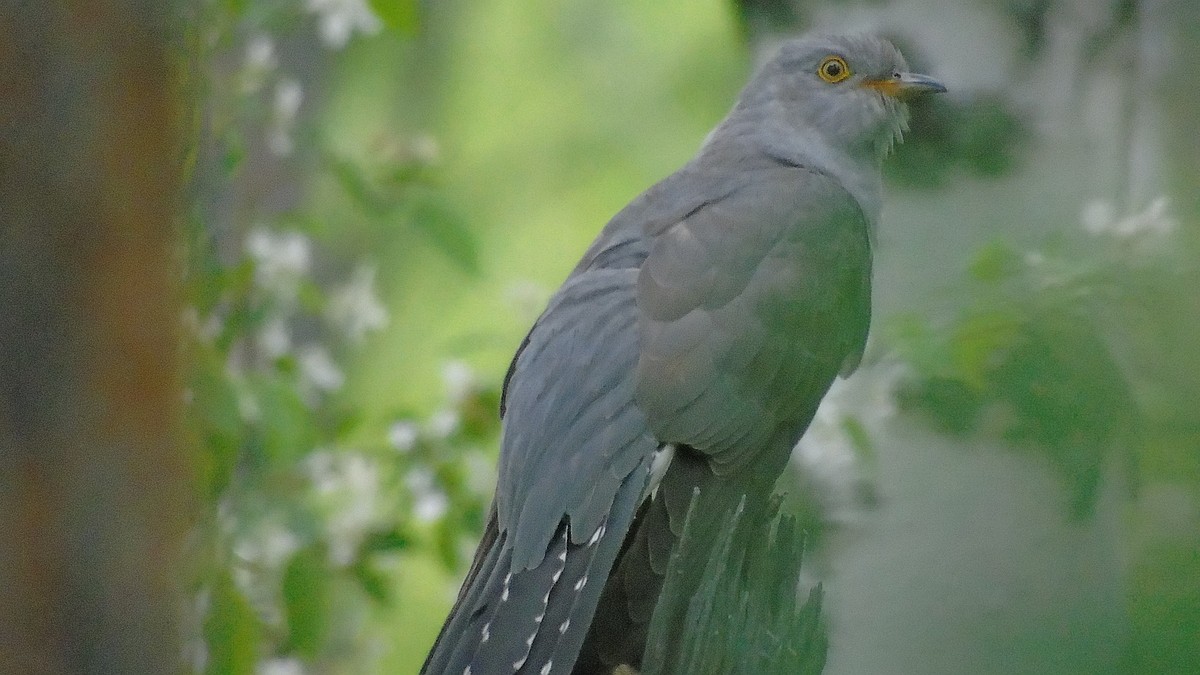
93,484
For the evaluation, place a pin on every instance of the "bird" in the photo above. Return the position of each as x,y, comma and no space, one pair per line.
680,362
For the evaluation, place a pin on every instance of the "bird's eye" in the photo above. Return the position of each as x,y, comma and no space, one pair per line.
833,69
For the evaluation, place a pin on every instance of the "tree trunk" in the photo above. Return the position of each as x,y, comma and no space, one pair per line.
93,485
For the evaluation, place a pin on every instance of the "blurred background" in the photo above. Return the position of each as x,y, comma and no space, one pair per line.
263,264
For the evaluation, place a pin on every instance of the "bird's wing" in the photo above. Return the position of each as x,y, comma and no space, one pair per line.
575,456
750,306
572,434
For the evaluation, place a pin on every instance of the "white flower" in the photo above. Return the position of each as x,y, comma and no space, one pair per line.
280,666
459,379
1155,219
322,471
827,455
429,502
206,330
318,370
288,97
419,479
274,338
347,485
259,62
339,19
270,545
281,260
247,404
355,307
403,435
443,423
1098,217
430,506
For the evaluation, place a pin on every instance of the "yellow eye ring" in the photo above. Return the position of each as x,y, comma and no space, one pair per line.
833,69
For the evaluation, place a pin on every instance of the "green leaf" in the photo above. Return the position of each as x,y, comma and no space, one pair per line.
286,425
994,262
447,231
231,631
306,596
977,343
385,541
400,16
351,179
373,582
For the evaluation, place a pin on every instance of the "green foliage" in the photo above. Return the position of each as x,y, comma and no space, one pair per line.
1030,358
231,631
980,136
746,615
308,503
398,15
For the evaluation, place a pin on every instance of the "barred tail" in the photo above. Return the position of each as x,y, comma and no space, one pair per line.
531,621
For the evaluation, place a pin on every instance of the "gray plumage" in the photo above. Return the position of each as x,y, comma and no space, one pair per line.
712,314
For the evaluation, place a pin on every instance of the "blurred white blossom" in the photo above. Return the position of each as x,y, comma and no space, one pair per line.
317,369
443,423
274,337
288,97
207,329
281,260
347,486
269,545
430,506
827,456
281,666
339,19
1098,217
355,307
403,435
429,501
259,62
247,404
459,380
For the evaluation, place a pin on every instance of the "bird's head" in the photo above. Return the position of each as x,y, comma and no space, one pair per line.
848,90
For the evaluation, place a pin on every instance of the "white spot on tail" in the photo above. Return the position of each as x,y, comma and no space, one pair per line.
487,634
539,617
554,579
546,668
581,583
658,468
467,670
596,536
564,626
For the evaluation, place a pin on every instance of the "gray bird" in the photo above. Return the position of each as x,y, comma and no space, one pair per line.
689,348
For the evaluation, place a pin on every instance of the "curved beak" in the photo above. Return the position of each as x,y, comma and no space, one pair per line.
906,85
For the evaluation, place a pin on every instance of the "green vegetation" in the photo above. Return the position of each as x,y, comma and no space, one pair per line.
384,194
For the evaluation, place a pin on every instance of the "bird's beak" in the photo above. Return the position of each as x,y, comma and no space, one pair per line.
906,85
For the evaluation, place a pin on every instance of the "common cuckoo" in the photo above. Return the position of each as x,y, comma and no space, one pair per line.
689,348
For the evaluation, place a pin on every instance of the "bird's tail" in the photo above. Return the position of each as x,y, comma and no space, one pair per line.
529,621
